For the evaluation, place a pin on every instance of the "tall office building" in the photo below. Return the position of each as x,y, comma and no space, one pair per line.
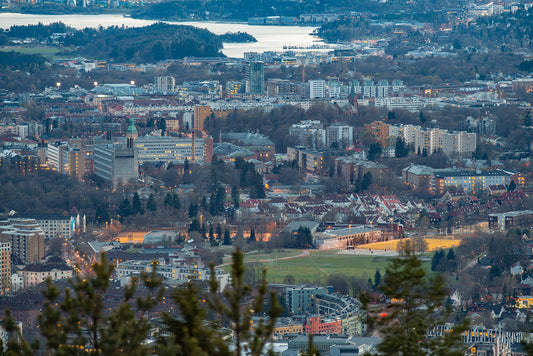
115,162
255,78
5,267
26,238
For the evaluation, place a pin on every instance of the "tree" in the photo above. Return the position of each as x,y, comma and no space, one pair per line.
227,239
125,208
78,319
235,197
136,206
218,231
151,204
339,282
176,204
437,260
233,308
304,238
374,151
418,308
101,213
401,149
193,210
377,278
366,181
252,236
289,279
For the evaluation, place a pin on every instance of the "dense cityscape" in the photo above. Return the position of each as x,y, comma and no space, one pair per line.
370,193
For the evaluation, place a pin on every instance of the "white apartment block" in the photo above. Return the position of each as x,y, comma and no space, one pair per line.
34,274
317,89
342,134
193,272
433,140
334,89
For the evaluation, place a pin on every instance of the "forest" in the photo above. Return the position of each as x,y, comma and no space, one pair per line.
119,44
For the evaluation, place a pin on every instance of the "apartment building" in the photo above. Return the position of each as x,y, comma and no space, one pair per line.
26,238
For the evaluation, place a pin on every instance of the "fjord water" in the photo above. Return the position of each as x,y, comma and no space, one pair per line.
269,38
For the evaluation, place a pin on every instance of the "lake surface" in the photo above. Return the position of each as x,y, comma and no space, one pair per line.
269,38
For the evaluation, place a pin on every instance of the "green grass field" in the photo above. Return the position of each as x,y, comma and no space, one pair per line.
316,267
45,51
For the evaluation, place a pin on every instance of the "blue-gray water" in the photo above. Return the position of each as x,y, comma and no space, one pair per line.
269,38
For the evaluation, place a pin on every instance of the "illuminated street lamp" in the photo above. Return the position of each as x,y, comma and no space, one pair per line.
132,82
95,84
58,84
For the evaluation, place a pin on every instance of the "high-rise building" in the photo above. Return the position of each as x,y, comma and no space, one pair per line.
165,83
69,159
26,238
201,112
5,267
317,89
115,162
340,134
255,78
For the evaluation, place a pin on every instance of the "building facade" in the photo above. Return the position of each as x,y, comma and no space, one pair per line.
26,238
255,78
156,149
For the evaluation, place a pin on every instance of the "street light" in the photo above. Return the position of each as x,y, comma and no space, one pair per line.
95,84
58,84
132,82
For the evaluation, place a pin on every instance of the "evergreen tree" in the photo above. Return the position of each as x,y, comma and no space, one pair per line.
195,225
218,231
227,238
176,204
168,200
124,208
377,278
366,181
235,308
193,210
235,197
437,260
151,204
374,151
418,308
401,149
451,255
79,319
136,206
101,213
304,238
186,172
252,235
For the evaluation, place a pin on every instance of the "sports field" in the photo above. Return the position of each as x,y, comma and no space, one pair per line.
315,266
433,244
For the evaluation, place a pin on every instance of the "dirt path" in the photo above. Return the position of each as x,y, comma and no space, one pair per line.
303,254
